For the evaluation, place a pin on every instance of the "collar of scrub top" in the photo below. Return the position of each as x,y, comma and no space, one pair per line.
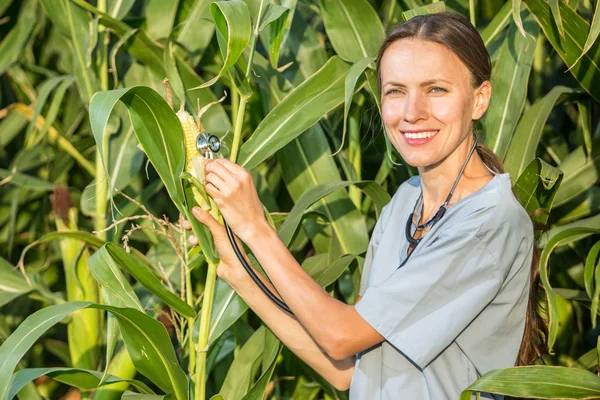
441,211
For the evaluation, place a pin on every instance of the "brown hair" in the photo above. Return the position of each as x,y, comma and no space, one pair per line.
458,35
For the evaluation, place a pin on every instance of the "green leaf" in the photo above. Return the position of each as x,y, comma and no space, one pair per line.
593,34
325,274
117,292
560,238
135,265
298,111
197,31
125,160
146,339
353,27
21,340
76,377
233,29
12,285
540,382
432,8
279,20
591,263
572,44
581,172
306,162
151,351
355,72
156,126
16,39
260,350
119,8
510,76
536,188
160,17
26,181
498,23
74,23
526,139
227,308
372,189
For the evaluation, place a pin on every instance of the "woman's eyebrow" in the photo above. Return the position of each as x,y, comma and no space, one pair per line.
426,83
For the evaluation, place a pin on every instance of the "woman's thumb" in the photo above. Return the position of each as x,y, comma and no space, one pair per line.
204,217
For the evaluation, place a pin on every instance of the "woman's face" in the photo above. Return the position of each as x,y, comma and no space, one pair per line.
428,101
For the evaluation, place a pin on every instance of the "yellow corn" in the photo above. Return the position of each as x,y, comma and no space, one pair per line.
190,133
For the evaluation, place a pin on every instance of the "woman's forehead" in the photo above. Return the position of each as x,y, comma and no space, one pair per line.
413,61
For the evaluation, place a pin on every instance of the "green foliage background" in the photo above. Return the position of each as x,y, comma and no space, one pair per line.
83,116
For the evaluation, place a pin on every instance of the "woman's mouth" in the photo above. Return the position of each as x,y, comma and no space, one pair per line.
419,138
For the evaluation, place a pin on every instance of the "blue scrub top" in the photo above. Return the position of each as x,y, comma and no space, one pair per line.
456,309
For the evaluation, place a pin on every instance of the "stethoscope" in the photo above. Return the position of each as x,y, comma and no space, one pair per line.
208,145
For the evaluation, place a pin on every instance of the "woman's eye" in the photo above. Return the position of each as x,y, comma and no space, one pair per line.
393,91
438,89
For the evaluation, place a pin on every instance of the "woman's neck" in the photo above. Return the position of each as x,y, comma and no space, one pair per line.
437,181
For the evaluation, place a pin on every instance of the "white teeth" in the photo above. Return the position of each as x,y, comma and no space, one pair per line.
420,135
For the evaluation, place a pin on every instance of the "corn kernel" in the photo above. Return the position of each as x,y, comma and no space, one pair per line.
190,133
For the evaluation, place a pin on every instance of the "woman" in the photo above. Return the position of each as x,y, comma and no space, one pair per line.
444,294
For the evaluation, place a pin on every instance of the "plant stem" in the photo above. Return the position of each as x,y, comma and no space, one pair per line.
237,133
472,11
254,39
209,291
101,177
190,321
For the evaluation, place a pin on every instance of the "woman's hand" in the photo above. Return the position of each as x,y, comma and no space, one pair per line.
230,266
233,191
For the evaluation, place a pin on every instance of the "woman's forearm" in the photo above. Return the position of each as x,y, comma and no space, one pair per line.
292,333
324,317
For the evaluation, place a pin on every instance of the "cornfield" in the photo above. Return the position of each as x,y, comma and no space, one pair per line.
102,296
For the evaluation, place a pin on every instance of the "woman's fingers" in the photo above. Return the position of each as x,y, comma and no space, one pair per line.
186,224
193,241
224,165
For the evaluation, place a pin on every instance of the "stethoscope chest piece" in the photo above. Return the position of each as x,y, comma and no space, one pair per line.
206,142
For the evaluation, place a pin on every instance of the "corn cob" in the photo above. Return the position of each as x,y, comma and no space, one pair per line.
190,133
194,161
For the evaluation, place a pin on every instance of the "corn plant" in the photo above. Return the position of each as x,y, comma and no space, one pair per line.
100,291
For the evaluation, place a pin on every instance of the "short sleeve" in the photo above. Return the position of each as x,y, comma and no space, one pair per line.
372,249
423,306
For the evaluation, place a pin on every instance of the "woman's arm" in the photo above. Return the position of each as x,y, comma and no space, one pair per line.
292,333
334,325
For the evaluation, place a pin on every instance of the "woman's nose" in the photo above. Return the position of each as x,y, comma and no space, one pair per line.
415,108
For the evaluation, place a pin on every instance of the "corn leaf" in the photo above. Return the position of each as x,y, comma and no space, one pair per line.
510,76
536,189
372,189
301,109
13,44
197,31
353,27
79,378
139,269
560,238
540,382
569,47
233,29
156,126
146,339
12,285
581,172
529,131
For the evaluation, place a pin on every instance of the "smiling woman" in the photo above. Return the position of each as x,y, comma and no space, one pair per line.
442,301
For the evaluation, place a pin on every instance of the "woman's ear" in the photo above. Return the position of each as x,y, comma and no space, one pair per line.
483,95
